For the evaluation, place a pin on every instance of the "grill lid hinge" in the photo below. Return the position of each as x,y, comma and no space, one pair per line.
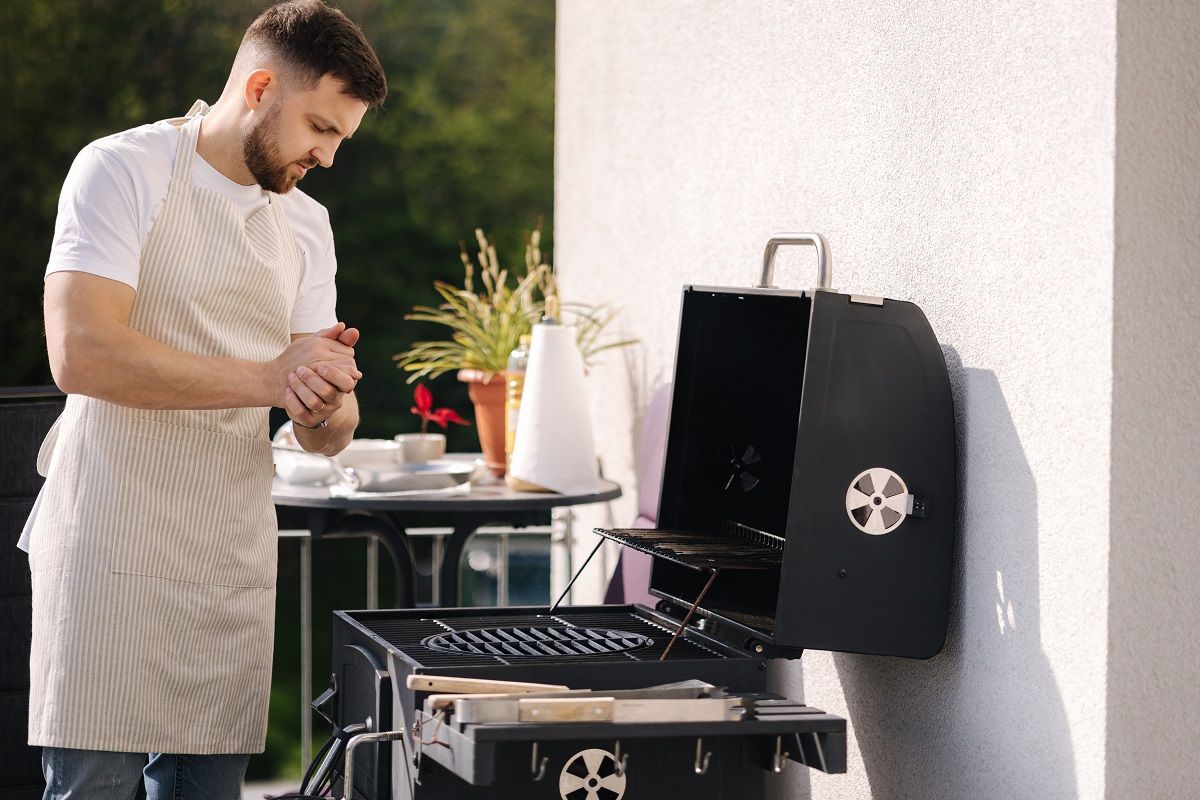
866,300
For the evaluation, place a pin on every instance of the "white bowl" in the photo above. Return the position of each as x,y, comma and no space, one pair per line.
369,454
417,448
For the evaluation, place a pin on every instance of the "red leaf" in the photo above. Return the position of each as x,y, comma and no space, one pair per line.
450,415
423,398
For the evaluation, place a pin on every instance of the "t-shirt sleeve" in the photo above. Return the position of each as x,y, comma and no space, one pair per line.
98,229
316,302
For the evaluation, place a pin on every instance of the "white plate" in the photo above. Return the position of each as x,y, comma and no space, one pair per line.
423,477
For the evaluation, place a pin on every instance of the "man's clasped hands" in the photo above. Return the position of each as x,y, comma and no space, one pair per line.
315,373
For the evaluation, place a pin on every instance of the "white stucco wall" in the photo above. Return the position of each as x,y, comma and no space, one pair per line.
961,156
1154,565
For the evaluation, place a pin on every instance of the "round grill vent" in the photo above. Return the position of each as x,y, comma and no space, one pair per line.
877,501
537,642
591,775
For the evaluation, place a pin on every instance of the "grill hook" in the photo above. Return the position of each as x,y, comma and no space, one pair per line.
702,766
622,761
538,768
779,761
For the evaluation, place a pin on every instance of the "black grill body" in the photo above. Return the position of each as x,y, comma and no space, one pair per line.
808,501
376,651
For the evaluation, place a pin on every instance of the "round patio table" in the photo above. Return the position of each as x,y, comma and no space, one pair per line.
384,518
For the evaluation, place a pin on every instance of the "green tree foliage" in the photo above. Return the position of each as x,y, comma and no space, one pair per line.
464,140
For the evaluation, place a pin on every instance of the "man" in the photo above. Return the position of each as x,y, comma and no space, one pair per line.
189,288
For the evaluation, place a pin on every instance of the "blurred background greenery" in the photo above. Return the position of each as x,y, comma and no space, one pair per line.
464,140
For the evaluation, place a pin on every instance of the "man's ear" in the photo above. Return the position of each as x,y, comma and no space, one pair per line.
258,84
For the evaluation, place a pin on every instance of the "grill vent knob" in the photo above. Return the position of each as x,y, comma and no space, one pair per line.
877,501
596,772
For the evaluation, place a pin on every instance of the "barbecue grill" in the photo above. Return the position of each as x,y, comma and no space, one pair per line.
808,501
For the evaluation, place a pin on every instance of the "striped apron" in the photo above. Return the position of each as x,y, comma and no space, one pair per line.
154,553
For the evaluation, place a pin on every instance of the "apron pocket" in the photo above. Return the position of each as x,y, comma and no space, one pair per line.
194,505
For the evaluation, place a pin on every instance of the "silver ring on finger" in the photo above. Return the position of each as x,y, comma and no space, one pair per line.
319,410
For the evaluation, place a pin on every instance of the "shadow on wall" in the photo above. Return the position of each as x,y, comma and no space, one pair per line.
985,717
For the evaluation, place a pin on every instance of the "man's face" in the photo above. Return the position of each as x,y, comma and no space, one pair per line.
299,130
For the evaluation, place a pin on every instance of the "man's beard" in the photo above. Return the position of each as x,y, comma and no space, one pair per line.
260,150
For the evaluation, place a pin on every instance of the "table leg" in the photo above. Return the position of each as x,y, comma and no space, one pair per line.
372,573
394,540
502,569
439,555
447,596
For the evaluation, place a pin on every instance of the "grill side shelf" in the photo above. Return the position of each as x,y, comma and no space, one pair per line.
703,551
812,738
813,721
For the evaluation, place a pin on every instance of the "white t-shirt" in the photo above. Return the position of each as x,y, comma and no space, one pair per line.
116,189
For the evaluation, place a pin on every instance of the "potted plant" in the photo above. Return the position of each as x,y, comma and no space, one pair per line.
426,446
486,325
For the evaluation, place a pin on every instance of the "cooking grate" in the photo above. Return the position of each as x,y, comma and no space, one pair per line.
409,635
537,641
738,548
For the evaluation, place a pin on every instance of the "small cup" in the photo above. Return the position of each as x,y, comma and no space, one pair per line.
417,448
369,454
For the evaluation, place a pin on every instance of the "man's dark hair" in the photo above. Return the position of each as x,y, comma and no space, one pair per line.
313,40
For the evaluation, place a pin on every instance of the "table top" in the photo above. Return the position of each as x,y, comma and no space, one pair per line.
485,497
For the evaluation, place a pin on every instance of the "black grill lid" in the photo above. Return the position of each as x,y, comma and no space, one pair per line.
785,406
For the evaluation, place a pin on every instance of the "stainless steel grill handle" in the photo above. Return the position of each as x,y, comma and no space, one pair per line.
824,259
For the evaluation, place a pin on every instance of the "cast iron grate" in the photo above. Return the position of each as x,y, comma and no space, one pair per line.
406,632
537,641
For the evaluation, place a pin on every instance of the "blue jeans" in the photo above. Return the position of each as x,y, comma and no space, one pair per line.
101,775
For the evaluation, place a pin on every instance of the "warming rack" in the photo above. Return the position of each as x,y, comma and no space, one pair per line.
736,547
739,547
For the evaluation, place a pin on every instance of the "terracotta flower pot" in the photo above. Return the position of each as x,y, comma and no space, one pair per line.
487,393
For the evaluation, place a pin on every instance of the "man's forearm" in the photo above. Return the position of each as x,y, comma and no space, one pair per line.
333,438
128,368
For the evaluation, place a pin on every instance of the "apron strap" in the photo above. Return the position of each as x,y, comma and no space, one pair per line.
198,109
189,134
